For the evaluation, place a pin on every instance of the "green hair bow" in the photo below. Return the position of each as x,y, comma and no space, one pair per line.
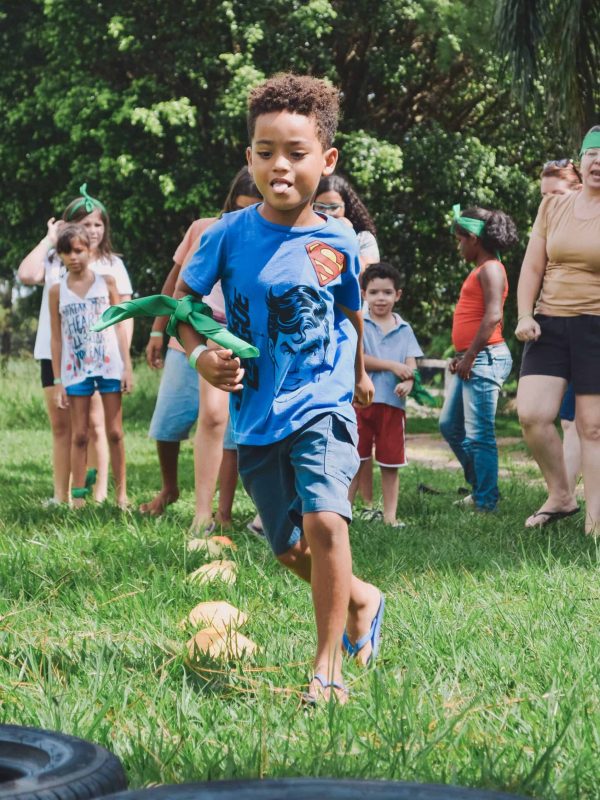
87,201
474,226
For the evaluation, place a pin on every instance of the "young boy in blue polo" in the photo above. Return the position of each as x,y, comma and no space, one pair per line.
290,281
391,350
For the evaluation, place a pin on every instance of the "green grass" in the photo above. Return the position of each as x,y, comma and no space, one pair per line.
490,668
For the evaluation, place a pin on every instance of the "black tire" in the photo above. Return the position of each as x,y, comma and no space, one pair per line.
310,789
44,765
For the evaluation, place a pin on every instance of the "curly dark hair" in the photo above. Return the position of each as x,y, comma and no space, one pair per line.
356,210
300,94
68,233
296,311
500,232
381,269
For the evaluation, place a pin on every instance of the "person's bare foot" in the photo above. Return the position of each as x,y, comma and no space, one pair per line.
158,504
552,510
320,690
123,503
78,502
360,619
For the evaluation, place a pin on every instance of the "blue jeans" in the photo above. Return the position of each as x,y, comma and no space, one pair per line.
467,422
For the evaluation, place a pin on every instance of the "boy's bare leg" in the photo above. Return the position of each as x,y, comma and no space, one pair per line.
365,481
389,490
228,475
80,418
60,423
168,459
332,567
357,480
97,455
113,415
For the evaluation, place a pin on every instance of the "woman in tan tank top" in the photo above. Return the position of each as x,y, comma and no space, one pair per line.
559,319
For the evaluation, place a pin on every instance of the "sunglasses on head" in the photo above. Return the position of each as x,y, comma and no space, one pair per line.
561,163
327,206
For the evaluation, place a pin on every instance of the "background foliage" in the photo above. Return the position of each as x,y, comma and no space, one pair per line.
147,103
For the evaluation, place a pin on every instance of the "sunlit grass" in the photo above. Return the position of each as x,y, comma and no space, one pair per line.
490,668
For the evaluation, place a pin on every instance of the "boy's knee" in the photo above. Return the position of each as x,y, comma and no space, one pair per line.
213,421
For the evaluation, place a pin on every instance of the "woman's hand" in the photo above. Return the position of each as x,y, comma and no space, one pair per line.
54,226
154,348
527,329
127,381
60,396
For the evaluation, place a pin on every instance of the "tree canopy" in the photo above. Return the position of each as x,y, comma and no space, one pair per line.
146,102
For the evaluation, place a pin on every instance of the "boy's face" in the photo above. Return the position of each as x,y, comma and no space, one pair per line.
287,160
381,296
77,258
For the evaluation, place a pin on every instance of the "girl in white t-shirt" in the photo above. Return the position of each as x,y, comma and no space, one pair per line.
84,361
43,266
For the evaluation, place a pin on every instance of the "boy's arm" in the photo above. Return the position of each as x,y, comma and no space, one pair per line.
216,365
404,388
122,337
60,394
401,370
155,343
364,390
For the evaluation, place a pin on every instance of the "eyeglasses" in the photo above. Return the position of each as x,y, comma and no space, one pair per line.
325,207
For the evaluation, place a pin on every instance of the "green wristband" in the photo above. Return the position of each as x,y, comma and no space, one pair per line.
57,381
196,352
156,333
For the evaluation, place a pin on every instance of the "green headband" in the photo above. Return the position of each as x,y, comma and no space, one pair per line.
591,140
87,201
475,226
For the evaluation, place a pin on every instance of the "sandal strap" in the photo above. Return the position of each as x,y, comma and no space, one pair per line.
325,684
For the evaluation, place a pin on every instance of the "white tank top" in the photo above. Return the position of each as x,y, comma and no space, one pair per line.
86,354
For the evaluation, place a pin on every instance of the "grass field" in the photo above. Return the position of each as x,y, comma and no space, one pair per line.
490,668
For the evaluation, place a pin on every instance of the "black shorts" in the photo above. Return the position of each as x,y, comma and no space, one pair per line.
47,373
569,348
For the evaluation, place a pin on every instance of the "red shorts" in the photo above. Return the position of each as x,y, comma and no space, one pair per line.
383,426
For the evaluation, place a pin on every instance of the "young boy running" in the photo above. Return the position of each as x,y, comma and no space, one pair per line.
290,281
391,350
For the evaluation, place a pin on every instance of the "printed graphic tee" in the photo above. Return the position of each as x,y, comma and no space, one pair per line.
85,353
282,286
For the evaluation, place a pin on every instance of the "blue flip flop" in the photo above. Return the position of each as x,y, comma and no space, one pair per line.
311,700
373,636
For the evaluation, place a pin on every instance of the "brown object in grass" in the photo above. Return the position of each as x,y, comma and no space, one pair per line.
220,644
216,570
216,614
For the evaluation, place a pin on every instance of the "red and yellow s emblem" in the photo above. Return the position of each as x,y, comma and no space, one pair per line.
327,262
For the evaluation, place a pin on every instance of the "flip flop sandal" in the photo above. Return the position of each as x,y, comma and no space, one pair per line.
312,700
259,532
552,516
370,514
373,636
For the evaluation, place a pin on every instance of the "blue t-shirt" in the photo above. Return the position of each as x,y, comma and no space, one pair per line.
280,286
396,345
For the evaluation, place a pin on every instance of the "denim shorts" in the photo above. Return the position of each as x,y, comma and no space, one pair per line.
88,386
178,402
310,470
567,407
